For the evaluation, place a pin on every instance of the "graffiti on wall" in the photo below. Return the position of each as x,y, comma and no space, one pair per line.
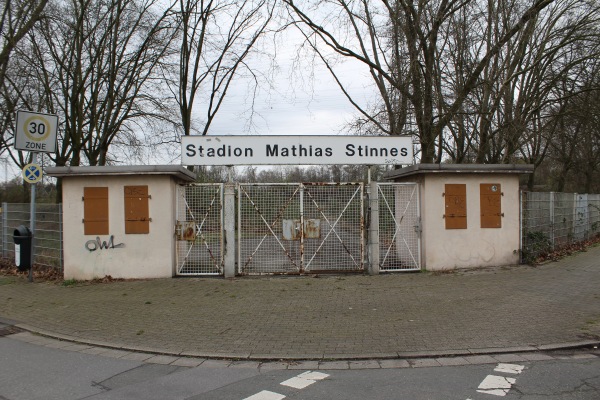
93,245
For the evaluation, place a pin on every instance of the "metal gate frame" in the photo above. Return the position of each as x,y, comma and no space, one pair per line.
292,258
277,225
199,229
399,227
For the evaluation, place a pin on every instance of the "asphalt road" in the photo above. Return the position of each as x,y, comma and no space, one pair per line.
31,371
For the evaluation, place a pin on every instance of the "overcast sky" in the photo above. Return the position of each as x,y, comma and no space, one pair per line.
298,102
287,110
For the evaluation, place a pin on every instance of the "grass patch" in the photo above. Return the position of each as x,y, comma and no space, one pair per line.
6,280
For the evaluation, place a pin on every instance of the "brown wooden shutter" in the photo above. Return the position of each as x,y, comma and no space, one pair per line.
95,211
491,205
137,214
456,206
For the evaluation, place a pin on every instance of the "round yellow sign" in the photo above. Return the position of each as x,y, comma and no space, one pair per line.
32,173
37,128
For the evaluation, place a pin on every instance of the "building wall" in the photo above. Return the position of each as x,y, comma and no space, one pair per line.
475,246
118,254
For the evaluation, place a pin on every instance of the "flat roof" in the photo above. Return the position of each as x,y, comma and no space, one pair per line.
176,171
421,169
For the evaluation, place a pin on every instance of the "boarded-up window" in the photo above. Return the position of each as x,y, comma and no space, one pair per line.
491,205
456,206
95,211
137,214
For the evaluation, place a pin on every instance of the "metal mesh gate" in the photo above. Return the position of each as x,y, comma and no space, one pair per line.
399,227
296,228
199,229
338,208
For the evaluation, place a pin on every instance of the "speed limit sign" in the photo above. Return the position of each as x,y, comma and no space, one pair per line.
36,132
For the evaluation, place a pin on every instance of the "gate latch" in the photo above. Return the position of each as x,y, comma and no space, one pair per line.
291,229
418,227
185,230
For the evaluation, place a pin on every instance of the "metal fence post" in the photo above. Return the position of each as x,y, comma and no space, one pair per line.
229,226
576,218
373,267
302,262
239,224
5,230
551,207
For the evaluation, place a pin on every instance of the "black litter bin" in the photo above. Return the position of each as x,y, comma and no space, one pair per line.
22,237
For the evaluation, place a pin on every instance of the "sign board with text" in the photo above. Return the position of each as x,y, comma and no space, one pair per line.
296,150
36,132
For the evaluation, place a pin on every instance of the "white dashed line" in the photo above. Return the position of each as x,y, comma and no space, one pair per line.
315,376
305,379
266,395
298,382
509,368
496,385
500,385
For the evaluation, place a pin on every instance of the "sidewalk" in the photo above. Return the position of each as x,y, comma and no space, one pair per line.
332,317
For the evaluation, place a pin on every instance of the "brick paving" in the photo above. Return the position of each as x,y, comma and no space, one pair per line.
327,318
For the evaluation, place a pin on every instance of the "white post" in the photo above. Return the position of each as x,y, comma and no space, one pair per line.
374,229
229,226
522,197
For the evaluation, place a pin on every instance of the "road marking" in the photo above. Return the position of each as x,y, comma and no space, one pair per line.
496,385
266,395
509,368
305,379
315,376
500,385
298,382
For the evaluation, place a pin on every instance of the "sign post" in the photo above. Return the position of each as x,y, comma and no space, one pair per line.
36,132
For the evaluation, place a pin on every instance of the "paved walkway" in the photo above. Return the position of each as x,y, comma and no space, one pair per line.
333,317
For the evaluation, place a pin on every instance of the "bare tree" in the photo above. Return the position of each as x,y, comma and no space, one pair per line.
406,61
522,106
101,65
563,45
18,17
94,64
216,38
574,152
98,58
20,91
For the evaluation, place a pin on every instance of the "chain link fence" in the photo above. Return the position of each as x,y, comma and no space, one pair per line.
48,231
549,221
552,220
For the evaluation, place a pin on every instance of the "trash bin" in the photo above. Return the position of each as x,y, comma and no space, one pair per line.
22,237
